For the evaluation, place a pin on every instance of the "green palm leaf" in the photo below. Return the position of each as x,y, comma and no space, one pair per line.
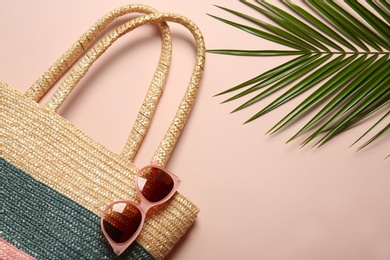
292,70
269,74
378,134
320,26
345,60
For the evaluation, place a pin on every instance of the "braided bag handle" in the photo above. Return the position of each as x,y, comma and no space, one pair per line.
165,148
58,69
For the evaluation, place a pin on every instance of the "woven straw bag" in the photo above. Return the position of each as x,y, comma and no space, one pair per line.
55,180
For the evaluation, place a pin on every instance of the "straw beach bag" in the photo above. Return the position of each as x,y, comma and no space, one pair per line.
55,180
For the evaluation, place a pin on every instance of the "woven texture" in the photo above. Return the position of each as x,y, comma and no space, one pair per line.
9,252
74,234
50,165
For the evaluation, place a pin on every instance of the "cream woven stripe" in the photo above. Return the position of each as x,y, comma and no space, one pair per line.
55,152
166,146
143,120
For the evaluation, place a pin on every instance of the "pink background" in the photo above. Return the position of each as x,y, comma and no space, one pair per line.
259,198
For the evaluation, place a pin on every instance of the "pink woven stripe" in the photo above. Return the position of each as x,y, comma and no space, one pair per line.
9,252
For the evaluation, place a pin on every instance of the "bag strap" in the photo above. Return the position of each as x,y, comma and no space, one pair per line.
165,148
57,70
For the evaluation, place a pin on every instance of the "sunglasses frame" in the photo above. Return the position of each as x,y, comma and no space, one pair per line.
143,206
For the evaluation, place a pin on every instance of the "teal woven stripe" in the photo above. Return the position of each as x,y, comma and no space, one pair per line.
47,225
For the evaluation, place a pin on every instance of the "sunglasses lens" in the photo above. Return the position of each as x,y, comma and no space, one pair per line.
155,184
121,221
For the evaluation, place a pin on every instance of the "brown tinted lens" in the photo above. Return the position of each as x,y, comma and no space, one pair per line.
121,221
155,184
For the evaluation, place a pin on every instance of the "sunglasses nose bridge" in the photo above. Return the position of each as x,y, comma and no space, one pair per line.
144,205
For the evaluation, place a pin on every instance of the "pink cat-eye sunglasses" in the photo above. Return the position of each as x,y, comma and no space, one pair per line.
122,220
